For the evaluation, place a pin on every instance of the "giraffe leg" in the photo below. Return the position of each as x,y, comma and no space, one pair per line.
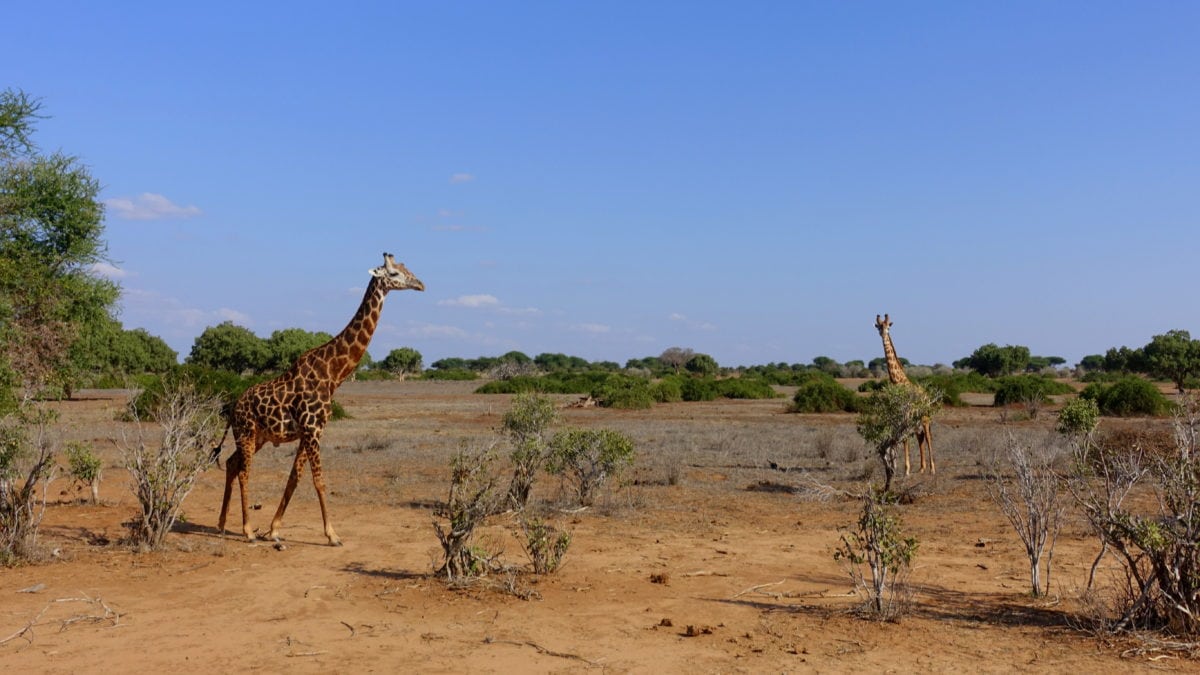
907,461
293,480
928,444
232,468
314,460
243,476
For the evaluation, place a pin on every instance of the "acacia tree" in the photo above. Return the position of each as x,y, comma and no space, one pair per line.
285,346
675,357
1173,356
229,347
402,361
51,224
993,361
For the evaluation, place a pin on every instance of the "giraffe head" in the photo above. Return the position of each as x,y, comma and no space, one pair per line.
395,276
883,325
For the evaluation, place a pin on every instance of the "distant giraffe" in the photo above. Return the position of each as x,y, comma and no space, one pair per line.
897,376
296,404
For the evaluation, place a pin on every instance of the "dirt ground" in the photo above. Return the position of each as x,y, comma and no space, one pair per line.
703,562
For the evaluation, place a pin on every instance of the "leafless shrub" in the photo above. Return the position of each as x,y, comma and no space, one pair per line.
1029,498
878,558
471,500
26,470
163,476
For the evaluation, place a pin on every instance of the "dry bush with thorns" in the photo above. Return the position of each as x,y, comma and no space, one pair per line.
1158,552
1031,500
26,470
472,498
163,476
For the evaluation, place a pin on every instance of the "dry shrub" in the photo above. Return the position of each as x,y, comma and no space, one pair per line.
878,558
472,498
1029,498
26,471
191,424
544,544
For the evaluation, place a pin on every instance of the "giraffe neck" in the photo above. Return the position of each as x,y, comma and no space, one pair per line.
895,370
342,354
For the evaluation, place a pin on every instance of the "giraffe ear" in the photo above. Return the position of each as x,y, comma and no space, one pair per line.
378,272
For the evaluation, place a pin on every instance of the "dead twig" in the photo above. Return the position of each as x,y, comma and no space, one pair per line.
352,631
28,628
548,652
755,588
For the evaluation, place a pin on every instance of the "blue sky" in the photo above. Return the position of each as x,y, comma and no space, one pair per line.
752,180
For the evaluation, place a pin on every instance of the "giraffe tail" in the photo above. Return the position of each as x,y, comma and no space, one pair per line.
216,452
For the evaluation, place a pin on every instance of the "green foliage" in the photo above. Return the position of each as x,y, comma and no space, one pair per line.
1128,397
1125,360
527,424
84,467
285,346
1092,362
588,458
890,416
1173,356
993,361
702,365
229,347
1028,388
624,392
221,384
458,374
544,544
746,388
824,395
667,390
878,548
1078,417
51,234
402,361
697,389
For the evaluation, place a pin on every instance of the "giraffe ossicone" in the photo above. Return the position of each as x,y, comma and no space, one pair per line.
295,406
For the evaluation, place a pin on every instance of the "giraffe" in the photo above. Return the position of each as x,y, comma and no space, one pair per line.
897,376
296,405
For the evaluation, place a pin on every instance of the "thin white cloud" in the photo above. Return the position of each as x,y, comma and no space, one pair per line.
591,328
149,206
161,313
462,178
471,301
430,330
107,271
691,323
519,311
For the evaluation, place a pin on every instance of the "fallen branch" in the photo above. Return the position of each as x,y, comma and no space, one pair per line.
548,652
755,588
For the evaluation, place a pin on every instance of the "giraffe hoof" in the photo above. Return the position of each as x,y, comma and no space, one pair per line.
335,542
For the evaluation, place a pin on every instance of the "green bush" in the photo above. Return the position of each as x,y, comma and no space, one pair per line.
1130,396
222,384
667,390
449,374
698,389
824,395
625,392
1025,388
745,388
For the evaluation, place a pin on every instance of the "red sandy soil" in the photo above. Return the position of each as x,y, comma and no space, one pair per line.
701,576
